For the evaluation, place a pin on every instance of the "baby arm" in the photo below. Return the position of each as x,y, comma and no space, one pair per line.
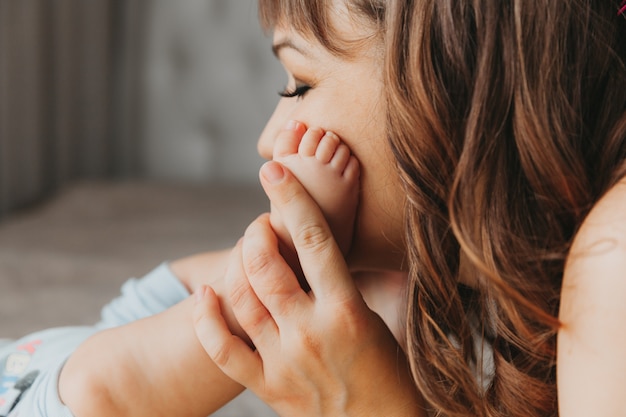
153,366
156,366
206,268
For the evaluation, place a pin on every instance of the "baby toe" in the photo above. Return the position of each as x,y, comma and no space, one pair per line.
310,142
327,147
341,157
288,140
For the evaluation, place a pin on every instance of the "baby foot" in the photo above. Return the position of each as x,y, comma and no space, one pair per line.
328,171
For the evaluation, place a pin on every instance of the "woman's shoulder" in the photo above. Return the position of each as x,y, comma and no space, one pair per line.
595,271
603,233
598,252
593,312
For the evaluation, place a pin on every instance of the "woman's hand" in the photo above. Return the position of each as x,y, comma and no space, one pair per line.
321,353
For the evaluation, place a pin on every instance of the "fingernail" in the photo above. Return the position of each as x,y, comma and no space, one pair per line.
291,125
273,172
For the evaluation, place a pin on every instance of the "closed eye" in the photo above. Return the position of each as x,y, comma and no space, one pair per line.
299,91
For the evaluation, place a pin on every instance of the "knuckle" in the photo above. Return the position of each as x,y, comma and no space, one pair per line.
347,318
237,294
288,303
312,238
253,320
258,263
249,314
221,353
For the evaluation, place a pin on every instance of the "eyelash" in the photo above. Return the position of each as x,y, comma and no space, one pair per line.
299,91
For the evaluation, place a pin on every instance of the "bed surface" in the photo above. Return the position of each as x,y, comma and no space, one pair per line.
61,261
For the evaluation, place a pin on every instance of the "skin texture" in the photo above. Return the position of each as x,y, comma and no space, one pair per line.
324,352
346,98
132,378
318,353
313,354
121,371
327,169
365,372
329,172
591,341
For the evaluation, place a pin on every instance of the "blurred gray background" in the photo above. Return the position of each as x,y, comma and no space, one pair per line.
127,138
162,89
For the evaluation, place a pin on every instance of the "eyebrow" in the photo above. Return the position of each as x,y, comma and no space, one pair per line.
287,43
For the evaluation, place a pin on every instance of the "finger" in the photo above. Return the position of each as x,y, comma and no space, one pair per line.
272,279
321,259
249,311
229,353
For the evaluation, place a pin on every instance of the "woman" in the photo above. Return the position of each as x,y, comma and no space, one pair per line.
507,121
156,366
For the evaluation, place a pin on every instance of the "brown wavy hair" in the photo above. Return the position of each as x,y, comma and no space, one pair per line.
507,120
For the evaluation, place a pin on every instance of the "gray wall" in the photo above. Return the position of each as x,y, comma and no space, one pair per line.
68,102
174,90
211,83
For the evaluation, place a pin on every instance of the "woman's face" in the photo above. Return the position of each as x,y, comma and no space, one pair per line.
345,96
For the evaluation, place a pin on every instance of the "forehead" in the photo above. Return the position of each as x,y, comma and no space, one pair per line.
343,29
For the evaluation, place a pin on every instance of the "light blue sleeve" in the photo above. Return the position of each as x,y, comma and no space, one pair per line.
43,353
47,351
152,294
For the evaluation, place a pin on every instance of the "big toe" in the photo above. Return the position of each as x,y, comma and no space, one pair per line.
288,141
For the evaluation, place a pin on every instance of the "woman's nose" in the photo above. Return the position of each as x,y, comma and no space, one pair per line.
265,145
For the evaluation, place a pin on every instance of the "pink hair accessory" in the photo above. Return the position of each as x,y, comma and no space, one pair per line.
622,8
